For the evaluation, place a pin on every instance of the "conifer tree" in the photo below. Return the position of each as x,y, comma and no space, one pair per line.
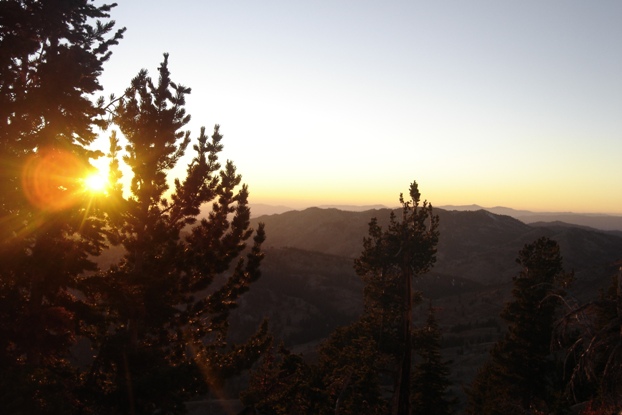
431,375
168,300
355,361
51,56
520,372
390,259
157,321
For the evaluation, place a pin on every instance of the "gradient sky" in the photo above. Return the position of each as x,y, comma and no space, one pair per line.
498,103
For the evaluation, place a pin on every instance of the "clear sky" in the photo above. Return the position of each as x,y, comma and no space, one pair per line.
498,103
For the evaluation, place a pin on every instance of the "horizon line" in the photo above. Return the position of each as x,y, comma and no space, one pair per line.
473,206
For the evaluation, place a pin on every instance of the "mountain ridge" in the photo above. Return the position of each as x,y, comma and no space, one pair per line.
478,245
600,221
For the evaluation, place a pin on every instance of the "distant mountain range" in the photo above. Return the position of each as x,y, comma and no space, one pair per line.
308,285
308,273
477,245
592,220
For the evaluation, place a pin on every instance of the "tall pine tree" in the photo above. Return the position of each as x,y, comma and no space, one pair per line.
356,361
390,260
51,56
157,321
167,302
520,373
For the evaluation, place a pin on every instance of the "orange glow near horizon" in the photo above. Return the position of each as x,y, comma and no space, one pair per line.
545,198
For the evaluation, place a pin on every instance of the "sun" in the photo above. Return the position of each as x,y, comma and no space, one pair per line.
96,182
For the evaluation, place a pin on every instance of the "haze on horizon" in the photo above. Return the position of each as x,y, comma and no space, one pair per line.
515,104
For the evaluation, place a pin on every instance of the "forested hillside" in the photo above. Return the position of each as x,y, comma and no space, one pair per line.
309,286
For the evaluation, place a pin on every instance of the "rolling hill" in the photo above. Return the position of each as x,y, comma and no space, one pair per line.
309,286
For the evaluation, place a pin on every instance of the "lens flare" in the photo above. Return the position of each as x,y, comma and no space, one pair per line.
50,179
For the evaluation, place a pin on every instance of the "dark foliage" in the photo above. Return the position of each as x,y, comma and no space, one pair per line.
430,381
51,56
168,301
357,362
284,384
521,374
389,262
156,322
591,335
353,371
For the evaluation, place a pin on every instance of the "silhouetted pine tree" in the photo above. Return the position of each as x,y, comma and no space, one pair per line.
356,361
167,302
390,259
520,373
431,375
51,56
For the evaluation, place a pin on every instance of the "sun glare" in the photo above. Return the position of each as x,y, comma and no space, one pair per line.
97,182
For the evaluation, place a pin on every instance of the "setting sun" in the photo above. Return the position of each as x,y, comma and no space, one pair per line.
97,182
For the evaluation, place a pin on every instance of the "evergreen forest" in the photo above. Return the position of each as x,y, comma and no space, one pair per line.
133,297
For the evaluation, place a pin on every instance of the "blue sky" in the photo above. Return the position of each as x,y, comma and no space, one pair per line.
516,104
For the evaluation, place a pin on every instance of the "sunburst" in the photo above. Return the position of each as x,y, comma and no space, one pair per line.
97,181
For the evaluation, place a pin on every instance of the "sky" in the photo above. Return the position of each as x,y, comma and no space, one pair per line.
495,103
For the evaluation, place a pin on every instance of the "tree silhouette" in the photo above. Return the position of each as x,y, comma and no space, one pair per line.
354,363
51,56
388,263
157,321
167,302
520,374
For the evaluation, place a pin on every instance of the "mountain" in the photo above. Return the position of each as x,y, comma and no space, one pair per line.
353,208
313,251
331,231
602,222
259,209
476,245
308,285
591,220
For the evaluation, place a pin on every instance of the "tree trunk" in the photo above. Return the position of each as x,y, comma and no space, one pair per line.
402,404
